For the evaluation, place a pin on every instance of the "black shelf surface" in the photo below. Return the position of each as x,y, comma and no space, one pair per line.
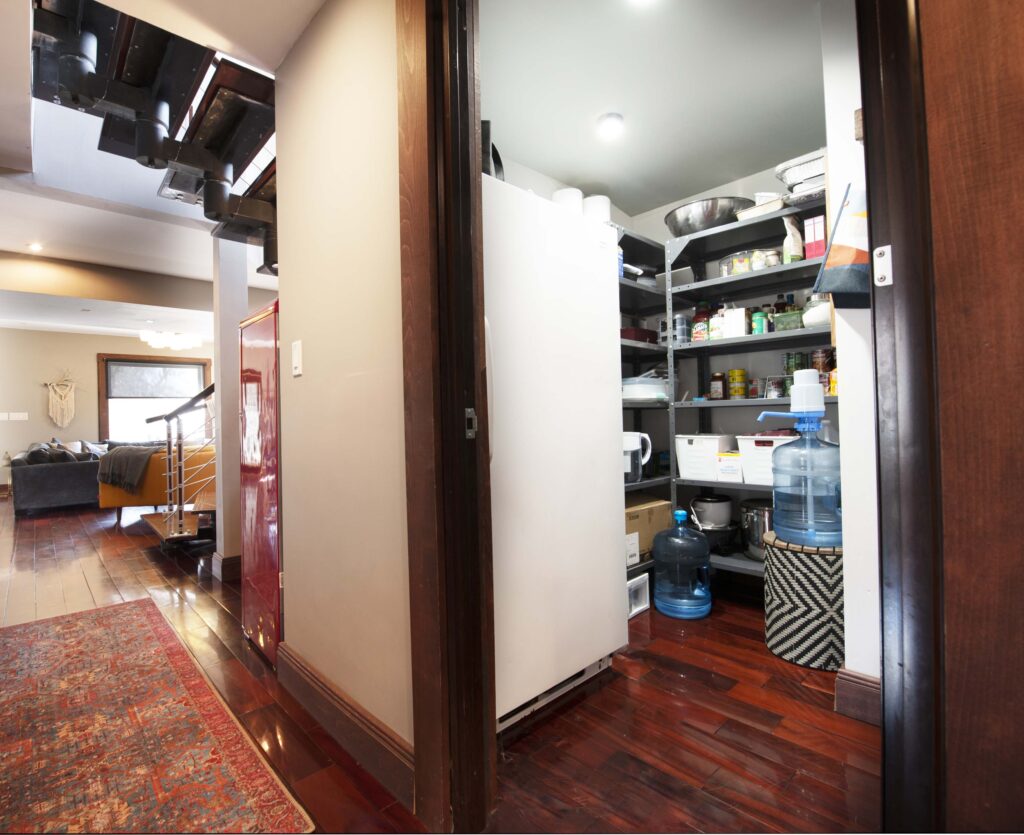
725,485
738,564
720,241
640,251
631,349
637,300
641,567
777,340
749,285
762,402
648,483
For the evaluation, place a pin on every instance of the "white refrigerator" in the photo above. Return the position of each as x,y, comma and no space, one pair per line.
551,305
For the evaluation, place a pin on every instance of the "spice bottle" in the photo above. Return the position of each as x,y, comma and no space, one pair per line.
716,390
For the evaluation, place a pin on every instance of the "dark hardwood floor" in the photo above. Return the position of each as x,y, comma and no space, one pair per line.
697,728
69,561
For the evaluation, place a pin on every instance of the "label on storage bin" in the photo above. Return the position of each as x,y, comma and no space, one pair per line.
632,548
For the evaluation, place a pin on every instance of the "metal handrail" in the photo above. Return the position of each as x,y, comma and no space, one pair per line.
189,406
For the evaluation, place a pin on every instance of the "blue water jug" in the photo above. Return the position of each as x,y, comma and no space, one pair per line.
807,490
682,571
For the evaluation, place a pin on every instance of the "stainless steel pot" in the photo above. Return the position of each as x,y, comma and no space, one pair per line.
755,522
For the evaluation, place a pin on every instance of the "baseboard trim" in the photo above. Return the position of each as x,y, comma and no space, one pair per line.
372,744
859,696
226,568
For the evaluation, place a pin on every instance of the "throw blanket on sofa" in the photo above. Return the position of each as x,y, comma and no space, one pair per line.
125,466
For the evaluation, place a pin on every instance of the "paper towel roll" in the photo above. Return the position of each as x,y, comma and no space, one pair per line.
597,207
571,198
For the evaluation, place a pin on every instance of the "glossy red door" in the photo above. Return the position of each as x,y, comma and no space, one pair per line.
260,497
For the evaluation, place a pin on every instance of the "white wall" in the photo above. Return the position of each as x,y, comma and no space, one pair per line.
854,356
345,548
30,358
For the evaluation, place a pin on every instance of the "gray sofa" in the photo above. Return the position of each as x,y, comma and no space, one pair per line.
44,486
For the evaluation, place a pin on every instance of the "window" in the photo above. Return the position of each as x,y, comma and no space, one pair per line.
133,389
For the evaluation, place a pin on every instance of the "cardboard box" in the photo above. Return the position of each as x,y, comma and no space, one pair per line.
645,516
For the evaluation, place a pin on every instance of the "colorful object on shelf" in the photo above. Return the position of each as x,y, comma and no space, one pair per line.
110,726
846,271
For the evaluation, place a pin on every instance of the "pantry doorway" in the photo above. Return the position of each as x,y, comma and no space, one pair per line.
911,147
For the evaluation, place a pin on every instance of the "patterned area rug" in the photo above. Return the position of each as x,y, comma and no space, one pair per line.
107,724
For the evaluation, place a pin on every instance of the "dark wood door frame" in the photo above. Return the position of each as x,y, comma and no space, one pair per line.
450,565
910,490
447,459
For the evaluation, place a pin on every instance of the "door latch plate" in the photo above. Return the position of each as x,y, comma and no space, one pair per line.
881,262
470,424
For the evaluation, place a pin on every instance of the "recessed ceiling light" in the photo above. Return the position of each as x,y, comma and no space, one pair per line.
610,126
150,321
35,246
86,310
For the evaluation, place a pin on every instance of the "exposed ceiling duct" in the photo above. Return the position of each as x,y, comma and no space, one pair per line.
147,85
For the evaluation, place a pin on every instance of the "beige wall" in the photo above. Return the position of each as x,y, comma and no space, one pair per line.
346,587
56,277
30,358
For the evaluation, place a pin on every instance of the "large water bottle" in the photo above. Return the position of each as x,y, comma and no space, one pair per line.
807,492
682,571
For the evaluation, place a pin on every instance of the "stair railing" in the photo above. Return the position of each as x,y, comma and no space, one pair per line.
184,483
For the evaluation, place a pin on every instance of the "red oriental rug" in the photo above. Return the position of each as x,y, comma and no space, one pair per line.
107,724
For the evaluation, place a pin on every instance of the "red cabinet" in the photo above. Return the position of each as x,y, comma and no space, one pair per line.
260,488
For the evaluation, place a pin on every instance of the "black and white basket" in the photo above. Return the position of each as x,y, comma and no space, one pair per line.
803,603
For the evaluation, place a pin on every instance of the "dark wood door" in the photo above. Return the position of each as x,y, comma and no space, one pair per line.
260,492
974,97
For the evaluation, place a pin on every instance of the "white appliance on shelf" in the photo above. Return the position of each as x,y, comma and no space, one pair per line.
551,303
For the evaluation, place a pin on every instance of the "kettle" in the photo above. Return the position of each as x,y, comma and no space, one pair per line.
636,451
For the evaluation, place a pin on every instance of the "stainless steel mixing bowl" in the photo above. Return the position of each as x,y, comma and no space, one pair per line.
704,214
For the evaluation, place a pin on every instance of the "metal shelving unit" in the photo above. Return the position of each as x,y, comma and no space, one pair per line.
694,252
637,302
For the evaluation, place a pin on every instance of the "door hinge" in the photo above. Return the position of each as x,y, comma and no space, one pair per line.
470,424
280,579
881,262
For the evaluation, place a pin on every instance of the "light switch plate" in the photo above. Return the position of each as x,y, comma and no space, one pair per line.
297,358
18,415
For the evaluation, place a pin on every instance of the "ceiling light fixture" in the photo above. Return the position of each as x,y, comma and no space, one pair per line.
171,340
35,246
150,321
610,126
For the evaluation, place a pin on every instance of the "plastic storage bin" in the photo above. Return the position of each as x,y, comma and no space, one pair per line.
756,456
800,169
697,455
639,591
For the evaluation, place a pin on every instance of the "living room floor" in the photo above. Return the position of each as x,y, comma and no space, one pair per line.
60,562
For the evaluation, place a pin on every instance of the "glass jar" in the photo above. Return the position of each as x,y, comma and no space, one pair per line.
716,389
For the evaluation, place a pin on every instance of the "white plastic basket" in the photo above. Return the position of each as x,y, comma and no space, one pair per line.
697,455
756,456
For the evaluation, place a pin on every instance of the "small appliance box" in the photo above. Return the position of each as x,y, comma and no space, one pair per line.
645,516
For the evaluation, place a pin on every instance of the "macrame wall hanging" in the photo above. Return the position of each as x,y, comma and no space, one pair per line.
62,399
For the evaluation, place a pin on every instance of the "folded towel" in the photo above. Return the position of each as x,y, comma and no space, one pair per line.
125,466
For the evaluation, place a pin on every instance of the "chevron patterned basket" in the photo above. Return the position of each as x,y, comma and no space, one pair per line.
803,603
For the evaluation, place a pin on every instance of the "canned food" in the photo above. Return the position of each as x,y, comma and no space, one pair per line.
737,389
737,375
821,360
753,388
774,387
787,386
833,382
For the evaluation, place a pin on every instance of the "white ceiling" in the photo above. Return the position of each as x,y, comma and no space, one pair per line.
259,32
711,90
36,311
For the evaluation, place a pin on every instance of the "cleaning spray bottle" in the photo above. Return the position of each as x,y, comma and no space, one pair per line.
807,494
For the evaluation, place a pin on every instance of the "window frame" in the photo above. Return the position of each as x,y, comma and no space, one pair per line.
152,359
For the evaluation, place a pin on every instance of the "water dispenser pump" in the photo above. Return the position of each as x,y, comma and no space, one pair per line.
807,492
